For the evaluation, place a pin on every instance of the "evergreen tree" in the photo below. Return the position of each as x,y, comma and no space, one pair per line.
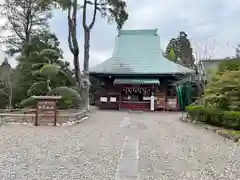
172,56
183,50
6,84
41,50
223,91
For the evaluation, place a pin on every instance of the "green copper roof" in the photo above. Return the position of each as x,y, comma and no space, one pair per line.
136,81
138,52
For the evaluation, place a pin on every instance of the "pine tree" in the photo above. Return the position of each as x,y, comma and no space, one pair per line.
172,56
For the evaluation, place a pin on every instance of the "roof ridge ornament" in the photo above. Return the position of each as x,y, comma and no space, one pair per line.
138,32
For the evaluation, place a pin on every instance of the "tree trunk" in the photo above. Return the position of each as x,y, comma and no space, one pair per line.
199,84
48,85
77,69
10,100
200,89
86,50
9,92
86,62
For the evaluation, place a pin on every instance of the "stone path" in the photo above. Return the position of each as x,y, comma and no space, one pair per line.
115,145
129,159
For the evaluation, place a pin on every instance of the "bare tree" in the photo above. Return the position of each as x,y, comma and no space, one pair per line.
114,10
203,51
72,38
72,7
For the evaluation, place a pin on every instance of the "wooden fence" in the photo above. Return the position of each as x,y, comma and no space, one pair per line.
28,117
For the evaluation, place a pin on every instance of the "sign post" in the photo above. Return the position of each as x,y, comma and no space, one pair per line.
152,103
46,106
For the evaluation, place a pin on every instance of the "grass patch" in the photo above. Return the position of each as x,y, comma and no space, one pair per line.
233,132
230,134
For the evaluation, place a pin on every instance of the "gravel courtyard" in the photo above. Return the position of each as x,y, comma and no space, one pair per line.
114,145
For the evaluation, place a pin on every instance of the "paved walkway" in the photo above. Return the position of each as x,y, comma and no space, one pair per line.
115,145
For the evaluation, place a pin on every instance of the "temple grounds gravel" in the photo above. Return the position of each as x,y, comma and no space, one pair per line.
168,149
89,150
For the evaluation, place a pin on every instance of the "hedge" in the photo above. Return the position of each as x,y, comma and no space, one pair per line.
216,117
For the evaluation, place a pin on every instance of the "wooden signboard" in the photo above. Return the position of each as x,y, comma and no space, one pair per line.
172,103
160,103
46,107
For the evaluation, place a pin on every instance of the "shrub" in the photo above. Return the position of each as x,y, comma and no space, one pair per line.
196,112
231,119
224,91
229,65
70,97
213,116
29,102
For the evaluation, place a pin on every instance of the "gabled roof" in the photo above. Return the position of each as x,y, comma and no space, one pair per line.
138,52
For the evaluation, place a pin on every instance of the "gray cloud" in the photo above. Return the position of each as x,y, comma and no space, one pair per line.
200,19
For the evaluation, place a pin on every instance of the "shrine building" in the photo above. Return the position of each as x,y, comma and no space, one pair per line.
137,76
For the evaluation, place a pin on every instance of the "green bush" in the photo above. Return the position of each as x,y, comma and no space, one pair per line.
213,116
216,117
29,102
196,113
231,119
70,97
4,100
229,65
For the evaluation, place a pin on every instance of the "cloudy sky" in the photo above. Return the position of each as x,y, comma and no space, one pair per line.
203,20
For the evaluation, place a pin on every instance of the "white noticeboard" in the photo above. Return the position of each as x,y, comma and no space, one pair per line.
152,103
172,103
146,98
113,99
103,99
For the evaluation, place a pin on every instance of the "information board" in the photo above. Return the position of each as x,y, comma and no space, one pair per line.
46,109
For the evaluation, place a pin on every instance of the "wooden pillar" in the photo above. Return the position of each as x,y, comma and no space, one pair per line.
120,98
55,114
166,97
152,102
152,94
36,115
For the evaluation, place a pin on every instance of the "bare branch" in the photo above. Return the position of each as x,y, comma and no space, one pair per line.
74,28
95,3
94,15
208,49
84,19
70,29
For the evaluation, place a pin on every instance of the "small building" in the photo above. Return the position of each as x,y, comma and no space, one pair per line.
137,76
209,65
